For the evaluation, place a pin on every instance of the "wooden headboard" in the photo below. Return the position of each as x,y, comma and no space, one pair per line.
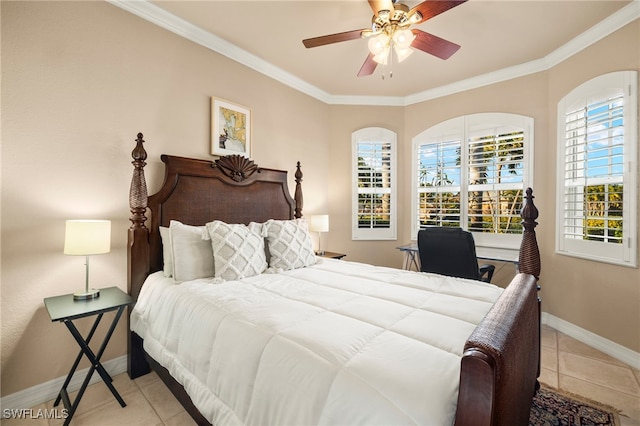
232,189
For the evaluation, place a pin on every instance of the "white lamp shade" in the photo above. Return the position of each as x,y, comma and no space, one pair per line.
378,43
319,223
403,38
382,58
403,54
87,237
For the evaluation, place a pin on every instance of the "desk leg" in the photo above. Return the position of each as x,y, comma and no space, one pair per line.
411,258
95,365
407,260
415,257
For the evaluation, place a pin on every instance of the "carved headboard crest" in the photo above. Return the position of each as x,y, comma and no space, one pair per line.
236,167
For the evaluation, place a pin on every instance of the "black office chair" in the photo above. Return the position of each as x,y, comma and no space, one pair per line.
451,252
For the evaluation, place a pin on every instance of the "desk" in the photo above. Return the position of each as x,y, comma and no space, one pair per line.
412,256
65,309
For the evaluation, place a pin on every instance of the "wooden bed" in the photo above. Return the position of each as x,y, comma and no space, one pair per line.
500,365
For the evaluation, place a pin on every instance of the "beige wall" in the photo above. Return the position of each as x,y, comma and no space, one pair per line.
604,299
344,121
80,79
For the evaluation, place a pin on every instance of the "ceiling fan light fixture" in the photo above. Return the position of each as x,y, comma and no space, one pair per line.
383,57
390,31
403,54
378,44
403,38
384,14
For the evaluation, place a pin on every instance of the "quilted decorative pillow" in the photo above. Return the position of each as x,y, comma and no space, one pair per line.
192,253
238,251
289,244
258,228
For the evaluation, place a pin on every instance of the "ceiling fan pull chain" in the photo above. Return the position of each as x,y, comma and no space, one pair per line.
391,58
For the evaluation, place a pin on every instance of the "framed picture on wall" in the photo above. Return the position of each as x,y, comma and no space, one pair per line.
230,128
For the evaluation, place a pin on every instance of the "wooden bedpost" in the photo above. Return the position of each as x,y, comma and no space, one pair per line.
138,233
498,376
138,253
298,193
529,258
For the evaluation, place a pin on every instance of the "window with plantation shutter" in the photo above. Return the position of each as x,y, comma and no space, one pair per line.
439,174
597,139
496,179
374,184
471,172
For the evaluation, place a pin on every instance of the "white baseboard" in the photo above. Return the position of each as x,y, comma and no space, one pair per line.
47,391
608,347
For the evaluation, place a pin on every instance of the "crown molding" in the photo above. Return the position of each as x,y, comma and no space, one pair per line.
624,16
158,16
154,14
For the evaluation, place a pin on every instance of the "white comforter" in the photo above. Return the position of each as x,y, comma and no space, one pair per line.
336,343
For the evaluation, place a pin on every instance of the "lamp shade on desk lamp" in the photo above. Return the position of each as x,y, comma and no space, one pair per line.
87,238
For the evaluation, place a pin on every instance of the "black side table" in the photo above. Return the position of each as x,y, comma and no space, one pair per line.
65,309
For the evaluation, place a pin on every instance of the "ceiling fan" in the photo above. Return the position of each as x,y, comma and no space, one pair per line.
390,31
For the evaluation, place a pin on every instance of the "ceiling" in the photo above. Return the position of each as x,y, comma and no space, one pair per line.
500,39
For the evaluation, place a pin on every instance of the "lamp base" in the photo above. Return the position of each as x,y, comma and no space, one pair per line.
86,294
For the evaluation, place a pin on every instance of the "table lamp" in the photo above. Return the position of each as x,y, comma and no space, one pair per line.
86,238
319,223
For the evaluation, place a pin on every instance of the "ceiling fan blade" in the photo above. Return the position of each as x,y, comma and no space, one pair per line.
430,8
368,67
332,38
433,45
378,5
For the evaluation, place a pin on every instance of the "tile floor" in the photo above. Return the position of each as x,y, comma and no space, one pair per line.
574,367
566,364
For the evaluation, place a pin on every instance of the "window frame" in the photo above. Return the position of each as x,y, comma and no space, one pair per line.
374,135
598,89
463,127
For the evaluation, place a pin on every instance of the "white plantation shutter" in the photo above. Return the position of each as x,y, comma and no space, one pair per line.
597,134
439,174
374,183
496,180
471,172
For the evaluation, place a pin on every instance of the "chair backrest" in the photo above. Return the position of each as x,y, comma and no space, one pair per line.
448,251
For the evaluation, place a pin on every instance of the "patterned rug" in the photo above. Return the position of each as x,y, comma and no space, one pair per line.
554,409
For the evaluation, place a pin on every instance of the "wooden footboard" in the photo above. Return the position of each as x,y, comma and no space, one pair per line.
498,375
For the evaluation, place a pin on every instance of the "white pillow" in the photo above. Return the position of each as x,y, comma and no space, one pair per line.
238,250
167,256
192,253
289,244
258,228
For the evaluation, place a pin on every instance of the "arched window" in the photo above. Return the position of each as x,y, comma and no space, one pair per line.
597,170
374,184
